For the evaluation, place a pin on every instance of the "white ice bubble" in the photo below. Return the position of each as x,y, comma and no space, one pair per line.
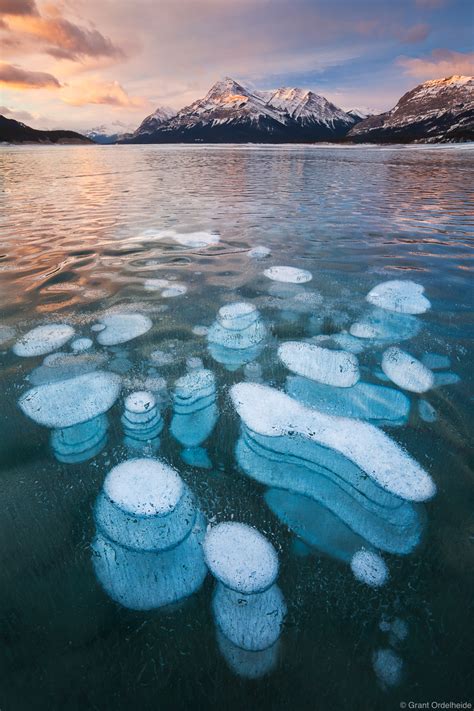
381,326
168,289
237,335
200,330
288,275
405,297
270,412
406,371
69,402
196,240
120,328
331,367
43,339
240,557
145,505
81,344
370,568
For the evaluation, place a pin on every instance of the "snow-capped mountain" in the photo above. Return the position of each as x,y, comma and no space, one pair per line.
154,120
437,110
231,112
109,133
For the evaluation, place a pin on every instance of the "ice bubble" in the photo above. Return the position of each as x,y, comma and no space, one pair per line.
253,372
62,366
194,363
196,240
448,378
201,330
69,402
248,665
406,371
379,325
251,622
399,629
97,327
314,524
259,252
370,568
196,457
270,412
142,580
303,467
388,667
337,368
375,403
145,505
81,344
404,297
168,288
141,420
120,328
194,410
434,361
81,442
43,339
290,275
427,411
237,335
240,557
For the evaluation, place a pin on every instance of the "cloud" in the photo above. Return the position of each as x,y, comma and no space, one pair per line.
15,77
18,7
60,37
97,92
17,115
440,63
417,33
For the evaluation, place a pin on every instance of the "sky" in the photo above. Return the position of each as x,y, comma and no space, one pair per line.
79,64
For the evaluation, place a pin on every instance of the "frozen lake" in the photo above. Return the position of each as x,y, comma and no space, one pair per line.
181,273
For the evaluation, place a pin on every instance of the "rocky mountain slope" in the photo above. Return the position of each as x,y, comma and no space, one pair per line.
233,113
12,131
441,110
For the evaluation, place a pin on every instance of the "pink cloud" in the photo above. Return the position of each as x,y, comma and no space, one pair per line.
440,63
99,92
15,77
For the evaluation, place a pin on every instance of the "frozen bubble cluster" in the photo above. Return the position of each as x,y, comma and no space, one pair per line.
141,420
237,336
43,339
288,275
403,297
406,371
148,547
337,368
380,327
194,411
167,289
248,606
122,327
347,465
74,409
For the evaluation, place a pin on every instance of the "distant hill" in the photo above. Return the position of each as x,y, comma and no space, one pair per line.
441,110
12,131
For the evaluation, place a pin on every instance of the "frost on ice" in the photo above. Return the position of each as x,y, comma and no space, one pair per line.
43,339
337,368
406,371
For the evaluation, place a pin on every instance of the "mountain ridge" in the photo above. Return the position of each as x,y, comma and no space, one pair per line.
12,131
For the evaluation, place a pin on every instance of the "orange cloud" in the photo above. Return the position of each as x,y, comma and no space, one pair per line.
441,63
110,93
15,77
60,37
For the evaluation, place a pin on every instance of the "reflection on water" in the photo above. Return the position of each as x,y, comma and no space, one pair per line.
142,256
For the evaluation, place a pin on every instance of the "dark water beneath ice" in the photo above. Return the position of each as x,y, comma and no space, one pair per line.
79,235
